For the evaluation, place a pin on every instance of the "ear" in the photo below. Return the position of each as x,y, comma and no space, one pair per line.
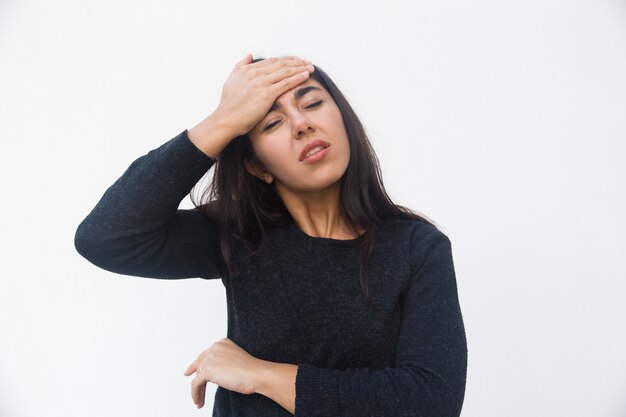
258,172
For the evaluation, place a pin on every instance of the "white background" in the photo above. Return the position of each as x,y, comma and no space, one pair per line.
502,121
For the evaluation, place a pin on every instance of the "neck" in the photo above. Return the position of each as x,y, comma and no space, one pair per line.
317,213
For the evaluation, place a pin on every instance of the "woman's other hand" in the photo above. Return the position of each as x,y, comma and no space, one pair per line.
227,365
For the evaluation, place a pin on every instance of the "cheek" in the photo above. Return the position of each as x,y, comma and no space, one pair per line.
275,157
335,120
341,133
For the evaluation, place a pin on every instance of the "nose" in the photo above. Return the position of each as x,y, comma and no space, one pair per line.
301,125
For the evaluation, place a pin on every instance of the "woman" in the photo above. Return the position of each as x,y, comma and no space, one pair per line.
340,303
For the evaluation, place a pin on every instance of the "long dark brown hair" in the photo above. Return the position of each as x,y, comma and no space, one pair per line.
246,207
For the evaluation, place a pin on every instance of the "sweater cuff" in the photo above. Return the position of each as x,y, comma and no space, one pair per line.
317,392
181,164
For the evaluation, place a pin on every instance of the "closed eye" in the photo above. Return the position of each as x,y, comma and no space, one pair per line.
317,103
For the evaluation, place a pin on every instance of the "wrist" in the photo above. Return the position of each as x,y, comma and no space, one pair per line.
264,376
277,381
219,119
212,135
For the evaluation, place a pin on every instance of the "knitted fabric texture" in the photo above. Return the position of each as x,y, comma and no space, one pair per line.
298,300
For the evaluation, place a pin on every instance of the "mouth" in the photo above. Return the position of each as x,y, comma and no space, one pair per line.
315,146
316,156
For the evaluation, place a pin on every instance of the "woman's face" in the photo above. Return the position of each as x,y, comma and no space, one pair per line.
294,121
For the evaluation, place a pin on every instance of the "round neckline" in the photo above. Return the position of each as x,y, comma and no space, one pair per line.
324,240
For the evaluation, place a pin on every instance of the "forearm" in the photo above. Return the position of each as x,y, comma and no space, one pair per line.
212,134
277,381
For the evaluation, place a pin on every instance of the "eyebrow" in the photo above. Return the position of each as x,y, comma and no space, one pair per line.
299,93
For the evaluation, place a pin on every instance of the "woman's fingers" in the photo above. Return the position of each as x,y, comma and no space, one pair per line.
275,61
246,60
274,64
286,72
202,394
192,367
198,384
190,370
288,83
198,389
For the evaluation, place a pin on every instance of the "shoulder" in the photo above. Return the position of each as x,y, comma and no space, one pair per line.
421,239
417,232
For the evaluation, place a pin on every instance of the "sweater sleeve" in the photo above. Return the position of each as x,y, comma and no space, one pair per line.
137,229
429,373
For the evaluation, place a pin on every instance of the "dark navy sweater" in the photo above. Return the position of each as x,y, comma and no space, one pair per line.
298,300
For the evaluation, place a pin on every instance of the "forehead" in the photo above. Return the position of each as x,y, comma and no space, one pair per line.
298,92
